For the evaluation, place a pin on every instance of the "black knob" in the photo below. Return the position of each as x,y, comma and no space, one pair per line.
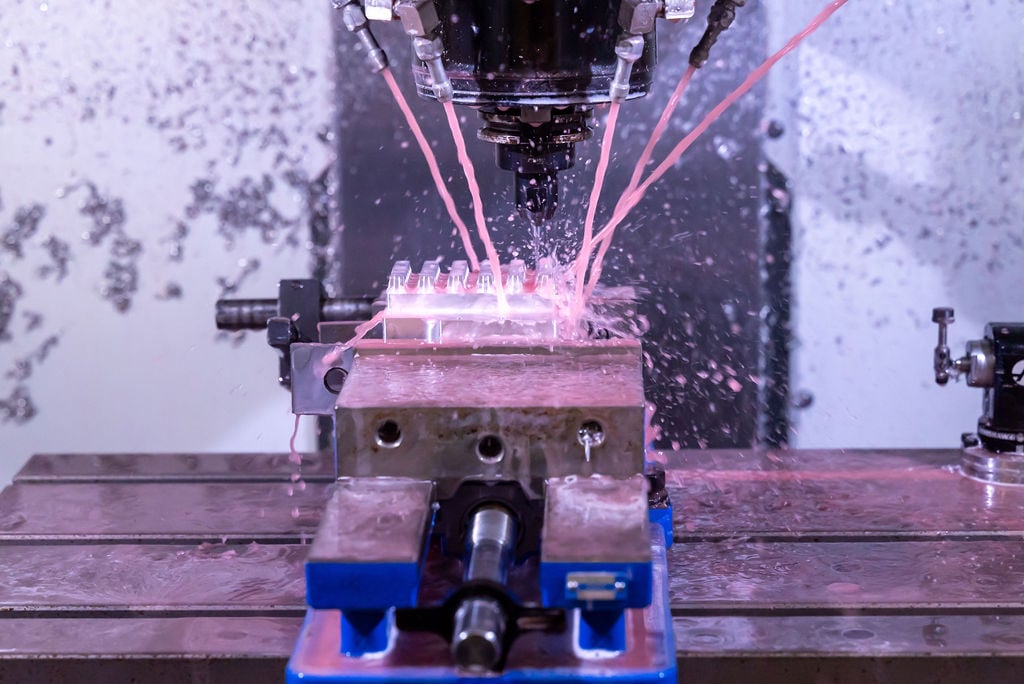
943,314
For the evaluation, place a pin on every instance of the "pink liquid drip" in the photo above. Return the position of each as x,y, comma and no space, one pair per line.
478,206
587,247
641,164
435,171
361,331
295,458
677,152
293,455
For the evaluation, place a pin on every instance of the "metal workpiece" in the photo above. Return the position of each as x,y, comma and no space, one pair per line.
487,413
458,306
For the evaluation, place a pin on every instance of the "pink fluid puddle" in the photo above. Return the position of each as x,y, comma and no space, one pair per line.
435,171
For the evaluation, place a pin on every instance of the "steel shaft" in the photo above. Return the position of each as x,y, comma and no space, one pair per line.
478,639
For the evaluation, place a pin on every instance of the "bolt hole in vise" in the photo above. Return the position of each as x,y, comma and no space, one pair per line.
590,435
490,449
334,379
389,434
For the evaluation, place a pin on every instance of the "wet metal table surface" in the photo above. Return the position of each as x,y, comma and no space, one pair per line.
791,566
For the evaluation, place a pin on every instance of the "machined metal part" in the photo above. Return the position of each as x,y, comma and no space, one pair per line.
479,632
490,543
460,306
637,17
445,400
979,362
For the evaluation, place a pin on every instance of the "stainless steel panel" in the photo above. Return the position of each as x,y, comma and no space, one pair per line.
828,495
174,468
743,578
128,580
158,637
149,511
849,635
